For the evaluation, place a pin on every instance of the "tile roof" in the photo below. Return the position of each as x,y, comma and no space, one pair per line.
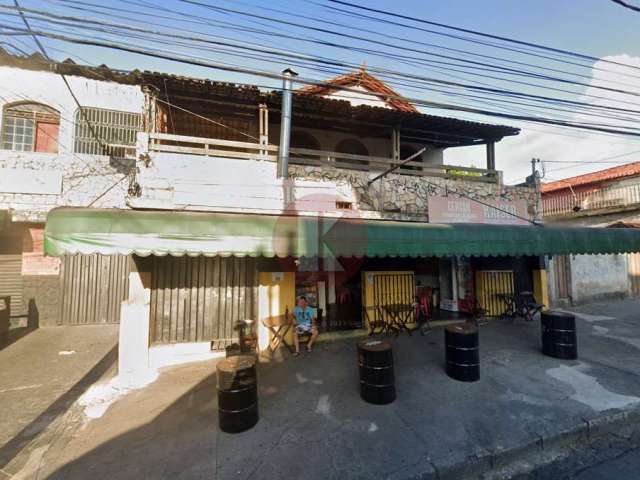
365,80
622,171
431,129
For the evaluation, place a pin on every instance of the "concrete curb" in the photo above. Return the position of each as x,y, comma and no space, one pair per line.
520,459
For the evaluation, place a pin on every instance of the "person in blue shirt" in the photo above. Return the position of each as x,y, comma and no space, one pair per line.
304,318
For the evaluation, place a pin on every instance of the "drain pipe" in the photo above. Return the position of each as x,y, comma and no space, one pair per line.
285,123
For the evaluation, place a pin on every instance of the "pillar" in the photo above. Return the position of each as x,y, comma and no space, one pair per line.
133,346
541,287
491,156
541,283
276,294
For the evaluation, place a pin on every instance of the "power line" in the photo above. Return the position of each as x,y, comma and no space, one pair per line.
207,119
392,73
586,105
277,76
64,79
627,5
414,50
482,34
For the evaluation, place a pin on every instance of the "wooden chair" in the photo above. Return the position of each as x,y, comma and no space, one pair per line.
526,306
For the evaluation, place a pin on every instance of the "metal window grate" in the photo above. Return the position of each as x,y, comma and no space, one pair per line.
116,129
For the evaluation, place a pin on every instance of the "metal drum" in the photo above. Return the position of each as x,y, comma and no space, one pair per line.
559,338
375,362
462,353
237,393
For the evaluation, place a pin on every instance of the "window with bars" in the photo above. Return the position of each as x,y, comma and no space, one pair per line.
115,129
30,127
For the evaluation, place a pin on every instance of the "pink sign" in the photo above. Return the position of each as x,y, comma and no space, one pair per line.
464,210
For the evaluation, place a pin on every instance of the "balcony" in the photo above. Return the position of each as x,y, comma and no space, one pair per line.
605,200
211,147
179,172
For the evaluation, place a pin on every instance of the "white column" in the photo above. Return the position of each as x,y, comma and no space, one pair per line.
133,347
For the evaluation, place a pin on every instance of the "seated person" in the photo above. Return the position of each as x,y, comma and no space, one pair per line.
304,318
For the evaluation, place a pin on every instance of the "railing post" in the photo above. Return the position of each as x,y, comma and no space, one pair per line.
263,117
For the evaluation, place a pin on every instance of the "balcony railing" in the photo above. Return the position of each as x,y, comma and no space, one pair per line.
163,142
606,198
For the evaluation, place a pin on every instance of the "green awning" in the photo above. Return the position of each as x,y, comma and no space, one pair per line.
153,232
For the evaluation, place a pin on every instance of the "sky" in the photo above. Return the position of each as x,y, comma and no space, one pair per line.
599,28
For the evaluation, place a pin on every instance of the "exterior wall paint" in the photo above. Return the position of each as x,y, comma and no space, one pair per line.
194,182
596,277
83,177
357,95
18,85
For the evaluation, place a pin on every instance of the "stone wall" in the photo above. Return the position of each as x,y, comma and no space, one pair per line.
406,194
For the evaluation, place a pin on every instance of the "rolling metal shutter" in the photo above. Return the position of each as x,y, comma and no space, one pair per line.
93,287
11,281
198,299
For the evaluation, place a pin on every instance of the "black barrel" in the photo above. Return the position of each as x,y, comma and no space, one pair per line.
559,338
462,353
377,381
237,393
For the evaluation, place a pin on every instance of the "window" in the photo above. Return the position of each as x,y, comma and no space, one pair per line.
116,130
30,127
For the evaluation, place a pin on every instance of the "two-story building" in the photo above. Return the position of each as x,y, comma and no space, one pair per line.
606,198
213,219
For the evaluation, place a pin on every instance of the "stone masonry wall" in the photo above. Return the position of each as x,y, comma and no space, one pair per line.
409,195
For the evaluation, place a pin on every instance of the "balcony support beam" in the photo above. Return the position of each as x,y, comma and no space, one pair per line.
491,156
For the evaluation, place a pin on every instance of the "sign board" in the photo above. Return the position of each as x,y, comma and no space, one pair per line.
34,261
464,210
18,180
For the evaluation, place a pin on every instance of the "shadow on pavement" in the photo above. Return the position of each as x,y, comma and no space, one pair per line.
56,409
180,442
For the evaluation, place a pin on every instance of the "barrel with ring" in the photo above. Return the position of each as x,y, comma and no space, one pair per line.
237,393
559,338
375,362
462,352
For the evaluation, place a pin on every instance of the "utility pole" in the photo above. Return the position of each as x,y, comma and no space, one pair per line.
535,181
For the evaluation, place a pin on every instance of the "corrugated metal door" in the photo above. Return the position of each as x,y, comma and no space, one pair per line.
562,273
199,299
491,283
11,281
634,272
93,287
389,288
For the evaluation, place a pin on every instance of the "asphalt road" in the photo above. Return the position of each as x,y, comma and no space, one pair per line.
625,467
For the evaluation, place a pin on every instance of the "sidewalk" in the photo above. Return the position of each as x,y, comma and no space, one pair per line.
42,374
314,425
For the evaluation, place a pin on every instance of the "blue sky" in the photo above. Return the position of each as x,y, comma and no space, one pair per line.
599,28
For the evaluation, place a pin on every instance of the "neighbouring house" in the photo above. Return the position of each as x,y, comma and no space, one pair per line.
606,198
212,220
49,158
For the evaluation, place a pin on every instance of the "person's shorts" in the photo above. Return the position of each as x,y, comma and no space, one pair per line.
304,329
